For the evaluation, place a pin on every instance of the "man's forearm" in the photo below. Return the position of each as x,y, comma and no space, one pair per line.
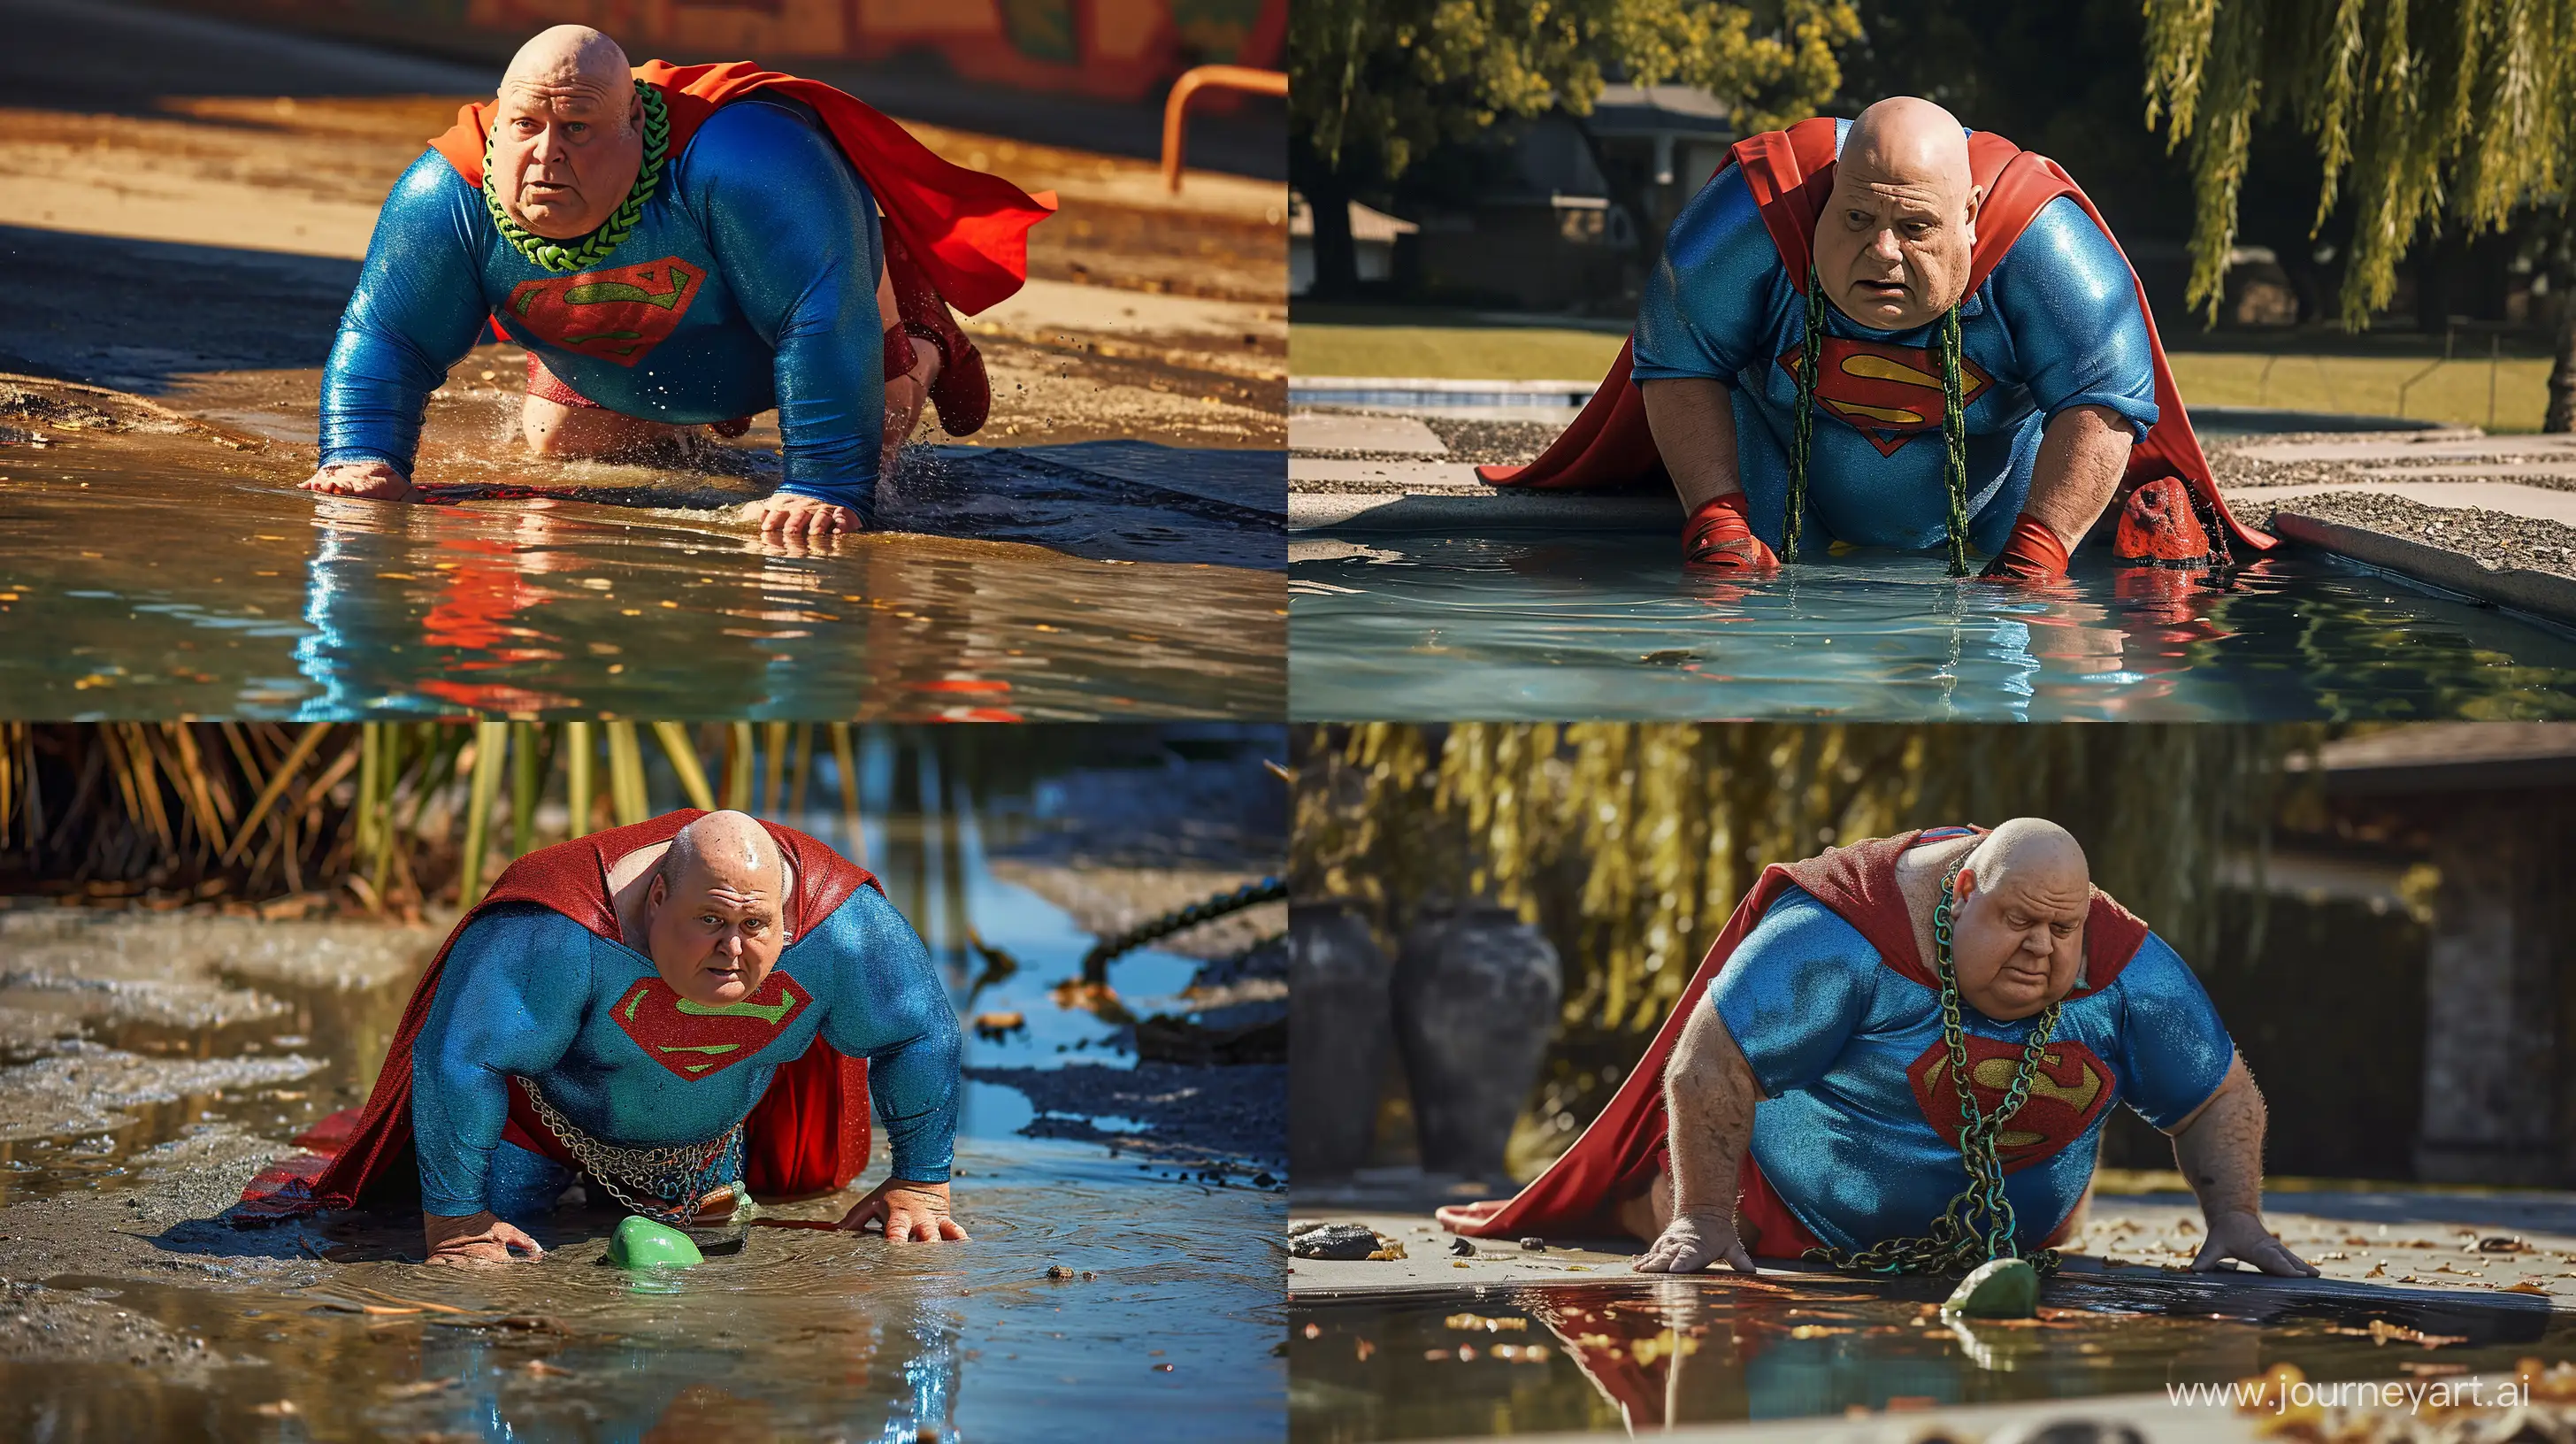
1693,421
1709,1093
2220,1149
2081,457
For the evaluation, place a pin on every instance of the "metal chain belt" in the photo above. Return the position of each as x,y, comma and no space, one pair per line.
1977,1226
686,1172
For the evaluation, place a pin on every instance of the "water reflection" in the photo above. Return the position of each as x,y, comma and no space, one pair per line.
1431,628
1641,1355
138,585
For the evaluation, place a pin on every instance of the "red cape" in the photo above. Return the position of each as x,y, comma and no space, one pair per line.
1791,174
967,231
1617,1157
807,1134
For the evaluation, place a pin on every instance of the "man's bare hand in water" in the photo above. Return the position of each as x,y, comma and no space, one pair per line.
785,517
474,1238
1693,1241
373,480
912,1212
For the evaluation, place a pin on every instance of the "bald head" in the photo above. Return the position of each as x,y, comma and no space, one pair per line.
567,136
569,58
1909,141
715,910
2034,852
725,849
1894,242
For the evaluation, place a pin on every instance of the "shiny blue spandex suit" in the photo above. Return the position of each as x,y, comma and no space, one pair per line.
749,283
1850,1058
2055,325
529,992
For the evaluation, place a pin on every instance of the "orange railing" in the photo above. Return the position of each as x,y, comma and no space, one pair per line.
1176,106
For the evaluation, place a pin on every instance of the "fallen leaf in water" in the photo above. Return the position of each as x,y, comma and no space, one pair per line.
414,1391
1816,1331
2381,1332
1314,1331
1364,1349
277,1409
542,1368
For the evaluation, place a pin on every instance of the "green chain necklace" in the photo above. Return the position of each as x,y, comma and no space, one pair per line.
1954,427
592,248
1977,1226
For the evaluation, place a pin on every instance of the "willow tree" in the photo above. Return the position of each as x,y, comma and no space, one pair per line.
1375,85
2423,116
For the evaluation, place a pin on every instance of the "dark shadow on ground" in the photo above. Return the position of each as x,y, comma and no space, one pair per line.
137,315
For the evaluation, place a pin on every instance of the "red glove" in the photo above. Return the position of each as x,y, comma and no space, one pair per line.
1717,536
2034,554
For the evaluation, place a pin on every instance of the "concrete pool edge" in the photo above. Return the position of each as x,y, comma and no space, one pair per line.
2543,594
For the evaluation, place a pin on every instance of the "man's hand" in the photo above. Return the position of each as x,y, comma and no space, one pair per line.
912,1212
1693,1241
787,517
2242,1236
474,1238
373,480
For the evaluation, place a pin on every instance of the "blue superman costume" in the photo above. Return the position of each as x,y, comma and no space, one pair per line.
1819,981
2053,318
748,283
534,984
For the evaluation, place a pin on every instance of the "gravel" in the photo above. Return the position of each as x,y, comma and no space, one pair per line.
2488,537
1480,443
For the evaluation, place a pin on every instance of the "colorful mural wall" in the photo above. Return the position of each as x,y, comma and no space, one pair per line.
1109,49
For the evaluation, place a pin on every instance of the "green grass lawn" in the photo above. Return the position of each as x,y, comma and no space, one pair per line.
2449,391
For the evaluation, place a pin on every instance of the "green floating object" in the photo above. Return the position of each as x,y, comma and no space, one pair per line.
2007,1288
641,1243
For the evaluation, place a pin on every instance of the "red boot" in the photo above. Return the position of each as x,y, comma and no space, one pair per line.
2160,528
1718,537
962,394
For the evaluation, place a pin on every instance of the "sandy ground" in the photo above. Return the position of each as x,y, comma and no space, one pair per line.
198,248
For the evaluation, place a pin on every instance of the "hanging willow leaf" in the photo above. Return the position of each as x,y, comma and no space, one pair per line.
2420,115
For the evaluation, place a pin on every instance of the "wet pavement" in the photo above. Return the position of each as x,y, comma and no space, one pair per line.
152,575
150,1062
2458,1284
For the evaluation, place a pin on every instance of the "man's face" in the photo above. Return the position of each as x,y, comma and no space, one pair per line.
1893,252
2019,946
565,153
714,939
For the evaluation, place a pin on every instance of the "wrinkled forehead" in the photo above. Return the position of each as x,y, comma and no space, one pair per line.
2057,893
1917,177
564,90
737,889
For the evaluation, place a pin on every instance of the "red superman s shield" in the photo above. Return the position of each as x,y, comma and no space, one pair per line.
614,315
2068,1090
1890,394
695,1039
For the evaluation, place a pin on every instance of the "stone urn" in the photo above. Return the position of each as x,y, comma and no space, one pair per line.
1476,992
1339,1030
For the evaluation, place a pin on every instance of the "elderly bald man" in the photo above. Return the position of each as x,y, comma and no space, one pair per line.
677,249
1889,333
1807,1098
678,1011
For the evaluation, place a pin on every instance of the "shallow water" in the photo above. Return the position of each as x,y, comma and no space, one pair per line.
1425,628
1639,1355
800,1334
144,580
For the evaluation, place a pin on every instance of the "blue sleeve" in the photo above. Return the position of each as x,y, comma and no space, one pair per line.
2071,306
417,310
510,1001
795,233
1796,991
889,1006
2174,1052
1707,307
